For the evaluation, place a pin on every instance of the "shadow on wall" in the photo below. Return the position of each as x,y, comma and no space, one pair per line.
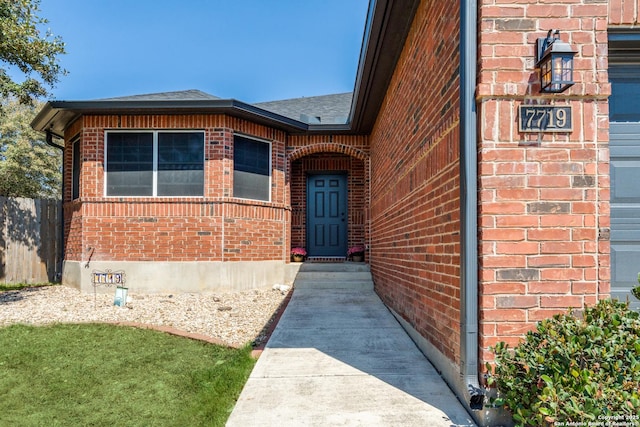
30,243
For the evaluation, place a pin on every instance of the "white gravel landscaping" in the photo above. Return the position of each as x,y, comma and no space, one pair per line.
234,318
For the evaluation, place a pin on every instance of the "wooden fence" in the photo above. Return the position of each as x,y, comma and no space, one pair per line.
30,240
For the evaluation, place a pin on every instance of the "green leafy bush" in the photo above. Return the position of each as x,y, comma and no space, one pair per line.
636,291
573,369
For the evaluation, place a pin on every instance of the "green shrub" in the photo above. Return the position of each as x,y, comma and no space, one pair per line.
573,369
636,291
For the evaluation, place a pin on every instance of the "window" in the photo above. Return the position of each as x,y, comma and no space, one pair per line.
180,164
130,164
75,181
251,169
155,164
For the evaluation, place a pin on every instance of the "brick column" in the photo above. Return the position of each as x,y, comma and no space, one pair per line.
543,197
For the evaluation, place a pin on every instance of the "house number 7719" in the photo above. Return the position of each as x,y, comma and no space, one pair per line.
545,118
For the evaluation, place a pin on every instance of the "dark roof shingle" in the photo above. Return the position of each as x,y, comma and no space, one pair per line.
326,109
181,95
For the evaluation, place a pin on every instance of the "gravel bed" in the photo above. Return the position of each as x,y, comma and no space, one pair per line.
234,318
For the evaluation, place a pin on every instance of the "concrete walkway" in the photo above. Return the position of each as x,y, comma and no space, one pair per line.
338,357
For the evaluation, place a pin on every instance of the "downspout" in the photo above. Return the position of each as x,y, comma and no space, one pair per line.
469,202
49,140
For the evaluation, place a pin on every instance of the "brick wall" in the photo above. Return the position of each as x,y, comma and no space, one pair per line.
624,12
215,227
73,247
543,198
415,188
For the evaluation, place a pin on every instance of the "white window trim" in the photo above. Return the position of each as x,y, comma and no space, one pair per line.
264,141
155,133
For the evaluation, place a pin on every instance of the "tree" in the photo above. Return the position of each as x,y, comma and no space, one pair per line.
23,48
28,166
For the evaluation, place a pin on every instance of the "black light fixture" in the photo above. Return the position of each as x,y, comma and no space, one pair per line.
554,58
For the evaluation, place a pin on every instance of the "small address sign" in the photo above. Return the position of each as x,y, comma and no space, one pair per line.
545,118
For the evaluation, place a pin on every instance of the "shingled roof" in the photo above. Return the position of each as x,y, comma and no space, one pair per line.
326,109
182,95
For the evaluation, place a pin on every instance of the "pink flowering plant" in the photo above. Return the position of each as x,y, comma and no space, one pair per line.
355,250
298,251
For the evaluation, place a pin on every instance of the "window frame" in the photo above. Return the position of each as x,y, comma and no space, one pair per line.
270,167
155,138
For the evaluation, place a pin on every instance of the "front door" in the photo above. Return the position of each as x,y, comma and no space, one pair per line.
327,215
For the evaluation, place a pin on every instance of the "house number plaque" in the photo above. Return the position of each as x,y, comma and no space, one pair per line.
109,278
545,118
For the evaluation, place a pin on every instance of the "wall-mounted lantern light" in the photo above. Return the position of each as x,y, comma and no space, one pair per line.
554,58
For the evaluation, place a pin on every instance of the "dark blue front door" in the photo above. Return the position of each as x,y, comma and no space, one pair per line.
327,215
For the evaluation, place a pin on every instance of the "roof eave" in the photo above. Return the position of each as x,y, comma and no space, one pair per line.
57,115
387,27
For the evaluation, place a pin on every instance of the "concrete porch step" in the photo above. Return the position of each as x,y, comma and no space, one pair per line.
340,266
334,276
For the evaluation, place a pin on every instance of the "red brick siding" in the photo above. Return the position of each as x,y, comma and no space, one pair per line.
72,211
215,227
624,12
153,238
73,232
543,198
507,43
354,145
255,233
415,188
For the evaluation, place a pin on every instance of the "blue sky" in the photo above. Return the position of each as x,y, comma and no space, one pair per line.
250,50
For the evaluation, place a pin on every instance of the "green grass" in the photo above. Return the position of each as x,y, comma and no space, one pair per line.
105,375
19,286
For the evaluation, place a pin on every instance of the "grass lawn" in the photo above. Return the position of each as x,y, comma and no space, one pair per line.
105,375
19,286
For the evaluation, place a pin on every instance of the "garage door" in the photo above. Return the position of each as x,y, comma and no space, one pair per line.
624,111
